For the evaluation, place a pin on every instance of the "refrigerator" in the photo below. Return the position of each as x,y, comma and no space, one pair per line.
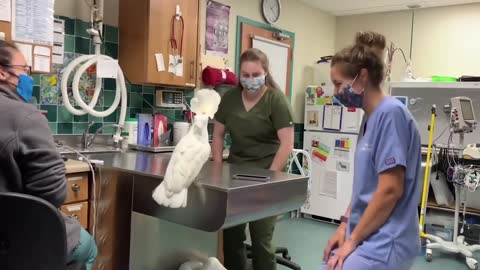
330,136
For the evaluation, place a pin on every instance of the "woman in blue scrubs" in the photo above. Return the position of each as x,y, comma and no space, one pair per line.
380,228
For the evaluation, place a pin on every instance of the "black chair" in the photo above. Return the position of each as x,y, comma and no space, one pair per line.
284,259
32,235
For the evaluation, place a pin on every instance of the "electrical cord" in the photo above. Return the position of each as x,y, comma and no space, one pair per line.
85,159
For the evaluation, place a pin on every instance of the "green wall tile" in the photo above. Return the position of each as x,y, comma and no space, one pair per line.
36,92
111,49
79,128
148,89
179,115
136,100
96,119
69,25
69,45
53,127
148,98
64,116
94,127
112,118
65,128
51,112
110,84
136,88
36,79
80,118
82,45
108,98
111,34
81,28
134,111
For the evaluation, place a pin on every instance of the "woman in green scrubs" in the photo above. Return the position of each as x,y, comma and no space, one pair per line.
259,119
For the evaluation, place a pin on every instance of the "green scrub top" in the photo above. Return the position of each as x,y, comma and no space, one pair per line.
254,133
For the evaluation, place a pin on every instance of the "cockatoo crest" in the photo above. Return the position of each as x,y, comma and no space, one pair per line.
205,102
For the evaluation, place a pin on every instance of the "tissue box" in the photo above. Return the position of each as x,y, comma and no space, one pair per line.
145,128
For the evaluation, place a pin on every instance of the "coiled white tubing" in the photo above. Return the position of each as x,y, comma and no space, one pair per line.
84,62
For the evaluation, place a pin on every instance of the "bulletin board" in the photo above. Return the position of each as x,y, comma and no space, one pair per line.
277,54
29,24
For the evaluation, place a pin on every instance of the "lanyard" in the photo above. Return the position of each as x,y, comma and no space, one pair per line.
177,45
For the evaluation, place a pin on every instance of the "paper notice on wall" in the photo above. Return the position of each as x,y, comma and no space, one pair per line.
40,50
27,51
6,10
328,184
332,117
33,21
41,63
160,62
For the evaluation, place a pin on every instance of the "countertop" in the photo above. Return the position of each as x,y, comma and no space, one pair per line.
213,175
76,166
216,200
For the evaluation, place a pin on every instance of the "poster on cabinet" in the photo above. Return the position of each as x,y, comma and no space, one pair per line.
217,26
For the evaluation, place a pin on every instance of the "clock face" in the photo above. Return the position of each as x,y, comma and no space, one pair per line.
271,10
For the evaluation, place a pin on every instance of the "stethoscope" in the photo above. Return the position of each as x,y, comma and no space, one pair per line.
176,45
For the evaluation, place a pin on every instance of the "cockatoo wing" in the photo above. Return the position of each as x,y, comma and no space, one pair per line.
173,200
186,162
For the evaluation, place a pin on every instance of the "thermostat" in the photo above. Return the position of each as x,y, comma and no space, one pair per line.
169,99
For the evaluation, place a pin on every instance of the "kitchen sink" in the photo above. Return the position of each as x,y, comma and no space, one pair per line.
93,149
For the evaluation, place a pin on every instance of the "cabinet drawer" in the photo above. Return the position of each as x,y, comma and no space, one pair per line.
78,211
77,187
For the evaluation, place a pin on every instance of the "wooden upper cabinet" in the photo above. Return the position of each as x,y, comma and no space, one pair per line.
145,28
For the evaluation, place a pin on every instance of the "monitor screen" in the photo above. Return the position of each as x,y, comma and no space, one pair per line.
467,110
402,99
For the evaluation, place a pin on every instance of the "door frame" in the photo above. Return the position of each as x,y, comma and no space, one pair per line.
242,20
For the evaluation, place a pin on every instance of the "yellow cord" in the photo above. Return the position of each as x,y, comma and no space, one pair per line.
427,174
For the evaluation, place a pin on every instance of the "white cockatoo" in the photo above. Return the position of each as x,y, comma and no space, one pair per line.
190,154
209,264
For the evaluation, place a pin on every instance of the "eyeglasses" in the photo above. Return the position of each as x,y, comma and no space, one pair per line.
26,68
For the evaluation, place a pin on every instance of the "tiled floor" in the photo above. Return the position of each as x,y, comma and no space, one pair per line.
306,239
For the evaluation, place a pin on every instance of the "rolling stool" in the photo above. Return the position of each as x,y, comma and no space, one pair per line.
284,259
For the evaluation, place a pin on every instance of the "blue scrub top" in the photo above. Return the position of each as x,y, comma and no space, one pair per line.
391,139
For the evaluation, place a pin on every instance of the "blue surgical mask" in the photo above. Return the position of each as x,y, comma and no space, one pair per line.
25,87
252,85
349,98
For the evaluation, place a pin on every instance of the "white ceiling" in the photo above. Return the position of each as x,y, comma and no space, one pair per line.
350,7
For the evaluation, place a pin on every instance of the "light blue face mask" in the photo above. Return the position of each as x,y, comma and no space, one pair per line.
252,85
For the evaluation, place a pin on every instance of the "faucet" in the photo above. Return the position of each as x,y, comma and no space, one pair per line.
87,138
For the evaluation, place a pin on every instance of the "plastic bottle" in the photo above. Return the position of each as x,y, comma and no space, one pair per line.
131,126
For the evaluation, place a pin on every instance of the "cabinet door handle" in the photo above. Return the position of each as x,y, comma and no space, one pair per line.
192,70
75,188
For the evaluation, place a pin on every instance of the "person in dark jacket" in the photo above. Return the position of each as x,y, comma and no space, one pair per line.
30,163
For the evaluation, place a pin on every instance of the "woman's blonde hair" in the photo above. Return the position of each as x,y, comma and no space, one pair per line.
256,55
